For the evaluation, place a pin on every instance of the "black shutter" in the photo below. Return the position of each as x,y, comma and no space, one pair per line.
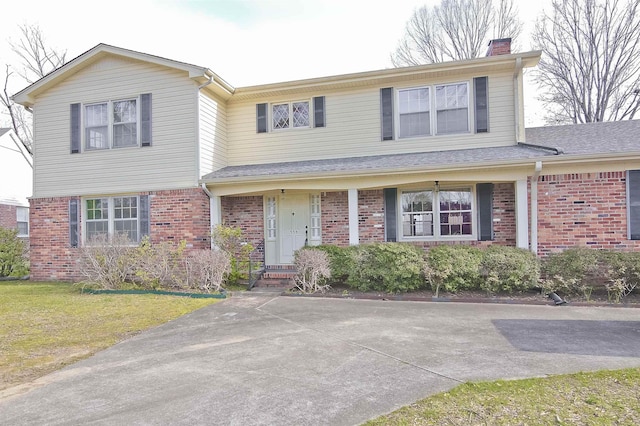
74,220
481,104
318,111
144,216
390,214
633,200
386,111
75,128
261,118
485,211
145,119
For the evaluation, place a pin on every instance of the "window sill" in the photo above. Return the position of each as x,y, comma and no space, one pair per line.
439,239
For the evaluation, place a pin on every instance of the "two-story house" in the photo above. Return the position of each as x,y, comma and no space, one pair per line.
127,142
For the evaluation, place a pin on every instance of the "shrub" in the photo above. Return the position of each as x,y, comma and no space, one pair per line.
313,270
453,268
159,265
388,267
206,269
509,269
108,263
623,274
230,240
573,271
12,254
341,261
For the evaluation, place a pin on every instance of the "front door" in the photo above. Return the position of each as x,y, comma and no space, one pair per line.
294,224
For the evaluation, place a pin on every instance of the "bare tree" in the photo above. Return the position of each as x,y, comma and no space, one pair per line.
454,30
590,69
36,60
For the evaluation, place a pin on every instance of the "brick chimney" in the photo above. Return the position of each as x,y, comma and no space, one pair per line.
501,46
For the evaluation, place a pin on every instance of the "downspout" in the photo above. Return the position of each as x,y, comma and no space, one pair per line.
516,97
534,207
204,186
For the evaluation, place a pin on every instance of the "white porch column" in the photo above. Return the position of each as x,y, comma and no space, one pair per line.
522,215
354,232
215,213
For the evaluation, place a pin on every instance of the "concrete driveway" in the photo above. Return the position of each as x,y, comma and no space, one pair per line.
287,360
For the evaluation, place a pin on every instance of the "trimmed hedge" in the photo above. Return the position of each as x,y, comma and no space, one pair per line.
453,268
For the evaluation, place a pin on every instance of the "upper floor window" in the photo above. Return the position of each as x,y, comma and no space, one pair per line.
22,221
434,110
290,115
112,124
452,108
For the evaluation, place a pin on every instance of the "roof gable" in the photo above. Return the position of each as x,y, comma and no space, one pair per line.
200,74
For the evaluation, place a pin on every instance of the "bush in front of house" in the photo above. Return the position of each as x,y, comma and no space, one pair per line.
114,264
13,261
573,271
313,268
508,269
230,240
341,261
623,274
387,267
452,268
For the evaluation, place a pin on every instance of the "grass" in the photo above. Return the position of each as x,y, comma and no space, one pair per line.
45,326
599,398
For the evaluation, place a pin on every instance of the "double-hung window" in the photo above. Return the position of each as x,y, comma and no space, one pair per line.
437,213
452,108
112,124
413,107
112,216
448,102
290,115
22,221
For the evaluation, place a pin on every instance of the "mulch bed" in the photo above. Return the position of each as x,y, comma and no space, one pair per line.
598,297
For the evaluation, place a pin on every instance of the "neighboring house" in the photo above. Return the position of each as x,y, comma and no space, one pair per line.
134,143
15,183
14,214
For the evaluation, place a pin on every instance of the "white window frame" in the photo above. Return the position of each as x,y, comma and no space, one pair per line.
20,211
110,124
111,219
290,105
436,214
433,111
271,218
315,219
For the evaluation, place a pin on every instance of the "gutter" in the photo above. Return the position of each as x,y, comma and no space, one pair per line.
517,72
556,151
214,211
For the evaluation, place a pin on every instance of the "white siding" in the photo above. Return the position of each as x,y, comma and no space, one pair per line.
213,135
353,127
171,161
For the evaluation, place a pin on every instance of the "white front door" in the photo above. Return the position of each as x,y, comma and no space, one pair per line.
293,223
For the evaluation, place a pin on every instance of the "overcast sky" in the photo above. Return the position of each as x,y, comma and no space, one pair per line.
246,42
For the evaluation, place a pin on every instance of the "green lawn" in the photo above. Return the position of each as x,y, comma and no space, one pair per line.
45,326
599,398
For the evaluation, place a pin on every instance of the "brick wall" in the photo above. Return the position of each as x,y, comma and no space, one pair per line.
50,254
8,216
247,213
586,209
335,218
371,216
180,215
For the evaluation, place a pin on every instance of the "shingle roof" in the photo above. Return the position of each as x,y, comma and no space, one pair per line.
580,139
589,138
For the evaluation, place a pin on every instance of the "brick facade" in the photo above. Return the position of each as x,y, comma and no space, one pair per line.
334,217
174,216
247,213
585,209
180,215
8,216
371,216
